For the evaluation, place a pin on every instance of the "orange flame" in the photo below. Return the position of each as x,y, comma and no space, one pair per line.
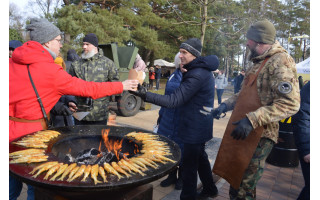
114,146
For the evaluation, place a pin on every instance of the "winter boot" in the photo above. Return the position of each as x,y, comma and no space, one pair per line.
172,178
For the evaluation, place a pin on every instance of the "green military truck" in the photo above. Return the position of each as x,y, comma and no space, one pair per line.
123,57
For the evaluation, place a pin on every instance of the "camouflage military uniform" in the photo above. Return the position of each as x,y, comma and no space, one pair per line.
98,69
278,89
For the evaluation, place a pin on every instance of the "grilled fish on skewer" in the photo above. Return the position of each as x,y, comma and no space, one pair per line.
42,165
94,173
119,169
45,168
67,171
102,174
136,161
141,167
78,173
26,152
59,172
87,171
73,172
52,170
111,170
29,159
146,161
126,168
123,162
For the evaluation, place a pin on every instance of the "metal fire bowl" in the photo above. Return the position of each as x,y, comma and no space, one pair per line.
79,133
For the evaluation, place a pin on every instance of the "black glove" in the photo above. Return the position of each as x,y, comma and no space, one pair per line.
242,130
141,92
218,111
61,109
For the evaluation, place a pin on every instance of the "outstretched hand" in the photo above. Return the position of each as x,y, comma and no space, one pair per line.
218,111
130,85
140,92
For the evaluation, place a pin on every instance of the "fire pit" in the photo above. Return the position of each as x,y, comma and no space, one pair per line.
86,145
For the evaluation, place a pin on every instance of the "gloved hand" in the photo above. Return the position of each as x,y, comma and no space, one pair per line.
218,111
61,109
242,130
141,92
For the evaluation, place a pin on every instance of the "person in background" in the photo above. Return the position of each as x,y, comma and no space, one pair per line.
71,57
158,76
51,82
194,97
139,64
151,77
13,44
221,82
300,78
238,81
301,132
61,113
168,123
269,93
94,66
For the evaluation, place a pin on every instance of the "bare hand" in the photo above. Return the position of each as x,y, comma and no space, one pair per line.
130,85
307,158
72,106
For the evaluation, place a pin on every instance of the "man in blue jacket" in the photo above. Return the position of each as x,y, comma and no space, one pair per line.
195,96
301,131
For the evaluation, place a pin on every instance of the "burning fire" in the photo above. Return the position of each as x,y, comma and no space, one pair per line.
113,146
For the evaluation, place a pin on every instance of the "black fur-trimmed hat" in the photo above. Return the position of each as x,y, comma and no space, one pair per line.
192,45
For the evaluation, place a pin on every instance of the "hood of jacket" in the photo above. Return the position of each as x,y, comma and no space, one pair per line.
31,52
211,63
275,48
72,55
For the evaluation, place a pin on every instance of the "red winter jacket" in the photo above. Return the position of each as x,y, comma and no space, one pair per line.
51,82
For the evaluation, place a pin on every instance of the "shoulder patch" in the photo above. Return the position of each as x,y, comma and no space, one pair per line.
285,87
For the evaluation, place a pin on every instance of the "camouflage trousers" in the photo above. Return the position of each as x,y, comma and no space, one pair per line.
247,189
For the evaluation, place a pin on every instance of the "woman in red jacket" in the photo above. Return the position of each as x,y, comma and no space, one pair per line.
51,81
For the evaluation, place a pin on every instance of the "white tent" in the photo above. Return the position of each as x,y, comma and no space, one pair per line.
162,62
303,67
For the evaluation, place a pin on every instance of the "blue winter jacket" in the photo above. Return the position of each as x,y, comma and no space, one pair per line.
301,122
169,117
195,92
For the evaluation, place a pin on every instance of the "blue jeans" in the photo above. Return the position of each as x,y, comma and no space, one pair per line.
194,160
219,94
15,187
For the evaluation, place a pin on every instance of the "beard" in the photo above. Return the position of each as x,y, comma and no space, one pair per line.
253,54
88,55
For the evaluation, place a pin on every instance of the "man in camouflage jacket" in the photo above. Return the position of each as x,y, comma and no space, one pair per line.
94,66
278,90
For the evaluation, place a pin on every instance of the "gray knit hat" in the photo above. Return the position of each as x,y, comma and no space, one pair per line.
262,32
192,45
42,31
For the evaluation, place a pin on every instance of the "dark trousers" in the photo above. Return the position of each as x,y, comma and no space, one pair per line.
194,160
151,83
305,192
219,94
157,83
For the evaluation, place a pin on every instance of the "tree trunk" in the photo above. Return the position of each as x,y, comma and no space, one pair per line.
204,20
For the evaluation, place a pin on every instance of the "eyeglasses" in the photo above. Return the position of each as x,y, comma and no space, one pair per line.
59,40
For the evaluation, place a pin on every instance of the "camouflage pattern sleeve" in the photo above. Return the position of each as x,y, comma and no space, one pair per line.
231,102
280,88
113,74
